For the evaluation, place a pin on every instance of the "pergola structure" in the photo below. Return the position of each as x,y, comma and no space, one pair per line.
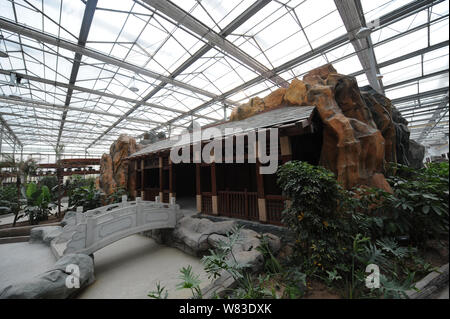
79,73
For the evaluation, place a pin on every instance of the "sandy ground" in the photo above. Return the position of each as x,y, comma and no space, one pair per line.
131,267
22,261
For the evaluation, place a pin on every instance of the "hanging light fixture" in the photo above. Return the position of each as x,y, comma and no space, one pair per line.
133,87
13,83
362,33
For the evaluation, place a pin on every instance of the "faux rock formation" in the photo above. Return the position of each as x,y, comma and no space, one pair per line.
114,169
362,129
52,283
416,153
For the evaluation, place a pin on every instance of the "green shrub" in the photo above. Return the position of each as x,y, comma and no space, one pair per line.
51,182
39,203
340,232
116,196
419,205
321,226
87,196
8,199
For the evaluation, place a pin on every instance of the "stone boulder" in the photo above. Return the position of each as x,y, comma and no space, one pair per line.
416,154
52,283
44,234
361,129
114,169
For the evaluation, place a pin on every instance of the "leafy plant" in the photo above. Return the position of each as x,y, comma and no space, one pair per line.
190,281
419,205
223,258
271,264
159,293
39,203
87,196
116,196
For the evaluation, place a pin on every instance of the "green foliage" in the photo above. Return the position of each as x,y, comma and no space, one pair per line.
39,203
321,227
52,183
116,196
9,199
419,205
190,281
159,293
223,258
87,196
340,232
271,264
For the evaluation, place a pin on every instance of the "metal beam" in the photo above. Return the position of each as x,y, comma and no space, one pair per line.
96,92
412,80
68,45
247,14
50,106
9,131
183,18
353,18
421,95
68,121
434,117
82,38
410,55
383,21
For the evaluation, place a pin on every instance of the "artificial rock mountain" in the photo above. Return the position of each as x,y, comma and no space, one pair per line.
362,130
114,169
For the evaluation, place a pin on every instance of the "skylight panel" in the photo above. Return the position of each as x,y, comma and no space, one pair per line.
401,46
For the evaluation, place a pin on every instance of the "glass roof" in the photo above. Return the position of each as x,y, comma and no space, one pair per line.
81,72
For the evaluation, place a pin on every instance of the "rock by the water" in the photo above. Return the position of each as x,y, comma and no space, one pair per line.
44,234
114,169
52,283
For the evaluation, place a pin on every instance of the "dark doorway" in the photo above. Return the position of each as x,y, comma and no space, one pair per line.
185,185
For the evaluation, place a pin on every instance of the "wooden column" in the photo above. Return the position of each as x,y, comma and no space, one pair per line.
142,179
286,149
214,200
171,181
261,196
198,187
161,171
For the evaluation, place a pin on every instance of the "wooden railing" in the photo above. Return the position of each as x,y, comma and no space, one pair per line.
165,198
150,193
275,204
242,205
207,203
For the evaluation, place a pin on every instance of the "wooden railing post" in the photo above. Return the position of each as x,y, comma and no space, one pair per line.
215,208
198,187
161,179
142,178
261,196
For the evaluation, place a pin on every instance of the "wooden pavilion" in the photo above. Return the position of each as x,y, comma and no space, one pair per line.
235,189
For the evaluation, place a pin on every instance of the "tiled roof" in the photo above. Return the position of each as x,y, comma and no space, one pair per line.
271,118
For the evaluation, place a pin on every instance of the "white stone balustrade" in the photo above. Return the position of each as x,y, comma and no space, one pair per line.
88,232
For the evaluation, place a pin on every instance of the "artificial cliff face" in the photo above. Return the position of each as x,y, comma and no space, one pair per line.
114,169
362,130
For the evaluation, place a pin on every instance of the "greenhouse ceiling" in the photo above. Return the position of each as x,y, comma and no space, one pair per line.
80,73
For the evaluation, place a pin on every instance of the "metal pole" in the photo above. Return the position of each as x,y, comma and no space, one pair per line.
1,140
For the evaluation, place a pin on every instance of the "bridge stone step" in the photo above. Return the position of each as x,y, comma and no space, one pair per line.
58,248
